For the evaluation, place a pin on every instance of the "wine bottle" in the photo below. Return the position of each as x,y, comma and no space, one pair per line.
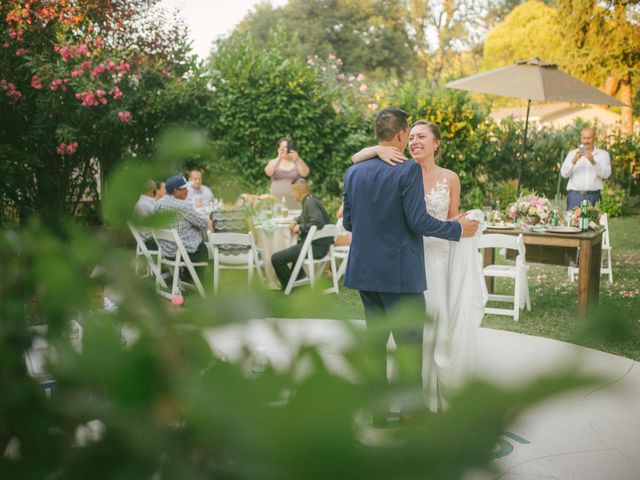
584,216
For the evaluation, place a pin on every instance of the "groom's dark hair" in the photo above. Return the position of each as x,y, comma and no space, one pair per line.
389,122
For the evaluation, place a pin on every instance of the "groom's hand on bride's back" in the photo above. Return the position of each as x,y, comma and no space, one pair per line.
469,227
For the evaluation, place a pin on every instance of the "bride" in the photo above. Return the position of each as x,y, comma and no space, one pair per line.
456,291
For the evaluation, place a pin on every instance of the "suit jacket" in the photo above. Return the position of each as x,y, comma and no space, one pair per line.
313,213
385,210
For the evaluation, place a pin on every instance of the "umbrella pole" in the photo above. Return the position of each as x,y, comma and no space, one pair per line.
522,149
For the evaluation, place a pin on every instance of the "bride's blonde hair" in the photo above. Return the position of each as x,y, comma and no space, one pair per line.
435,130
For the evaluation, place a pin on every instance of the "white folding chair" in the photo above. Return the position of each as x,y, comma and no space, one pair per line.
305,259
242,261
341,253
150,256
517,272
181,259
606,267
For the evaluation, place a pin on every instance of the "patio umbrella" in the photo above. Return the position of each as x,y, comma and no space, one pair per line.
533,80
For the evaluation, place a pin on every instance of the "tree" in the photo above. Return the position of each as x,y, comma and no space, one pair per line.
603,41
530,30
367,36
75,77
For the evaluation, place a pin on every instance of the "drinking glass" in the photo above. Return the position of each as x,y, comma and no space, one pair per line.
568,216
487,214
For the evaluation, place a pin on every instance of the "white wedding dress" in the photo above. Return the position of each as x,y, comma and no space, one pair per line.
455,297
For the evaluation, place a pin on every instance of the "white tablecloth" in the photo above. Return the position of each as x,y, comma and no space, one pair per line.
272,237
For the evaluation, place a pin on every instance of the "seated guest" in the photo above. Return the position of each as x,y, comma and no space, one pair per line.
191,225
161,190
313,213
199,195
145,207
231,218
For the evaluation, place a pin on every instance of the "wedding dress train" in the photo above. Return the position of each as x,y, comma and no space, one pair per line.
455,298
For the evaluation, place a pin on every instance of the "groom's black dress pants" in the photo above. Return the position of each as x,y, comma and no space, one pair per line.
281,260
403,315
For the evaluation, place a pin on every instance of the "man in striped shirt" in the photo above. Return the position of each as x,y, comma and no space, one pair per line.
190,225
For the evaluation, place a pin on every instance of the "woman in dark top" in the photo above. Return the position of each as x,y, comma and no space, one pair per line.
283,169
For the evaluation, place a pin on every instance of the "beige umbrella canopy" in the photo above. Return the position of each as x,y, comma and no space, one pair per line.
534,80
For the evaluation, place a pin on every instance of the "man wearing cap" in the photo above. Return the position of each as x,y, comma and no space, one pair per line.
190,225
585,167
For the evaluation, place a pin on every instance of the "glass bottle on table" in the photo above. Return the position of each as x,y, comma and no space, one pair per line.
584,216
497,214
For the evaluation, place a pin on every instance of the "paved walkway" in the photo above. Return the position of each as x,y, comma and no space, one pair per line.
592,434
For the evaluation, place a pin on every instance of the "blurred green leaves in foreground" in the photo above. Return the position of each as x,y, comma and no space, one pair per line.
164,404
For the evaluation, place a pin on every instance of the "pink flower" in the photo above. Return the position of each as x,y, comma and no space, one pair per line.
76,73
363,88
21,51
85,65
56,83
14,95
124,66
98,43
88,99
340,76
64,149
35,82
82,50
116,92
65,53
100,93
103,101
6,44
124,116
360,77
165,72
111,66
372,106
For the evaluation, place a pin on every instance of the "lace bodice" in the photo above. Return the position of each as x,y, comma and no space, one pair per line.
438,199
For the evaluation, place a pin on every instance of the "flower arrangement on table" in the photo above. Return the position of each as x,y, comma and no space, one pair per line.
593,212
256,204
530,209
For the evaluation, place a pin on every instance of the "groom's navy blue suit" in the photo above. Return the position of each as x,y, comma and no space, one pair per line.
385,210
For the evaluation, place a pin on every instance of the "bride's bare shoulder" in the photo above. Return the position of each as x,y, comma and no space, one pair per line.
449,175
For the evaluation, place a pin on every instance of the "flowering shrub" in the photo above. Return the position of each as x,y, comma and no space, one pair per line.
530,208
74,95
613,200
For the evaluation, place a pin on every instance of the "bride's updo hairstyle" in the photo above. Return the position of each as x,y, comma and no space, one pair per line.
435,131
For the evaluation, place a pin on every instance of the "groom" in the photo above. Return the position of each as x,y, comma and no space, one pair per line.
384,208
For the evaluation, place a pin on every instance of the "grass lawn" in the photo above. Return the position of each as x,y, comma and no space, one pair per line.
612,327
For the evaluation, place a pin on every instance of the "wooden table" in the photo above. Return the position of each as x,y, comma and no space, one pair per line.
561,249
